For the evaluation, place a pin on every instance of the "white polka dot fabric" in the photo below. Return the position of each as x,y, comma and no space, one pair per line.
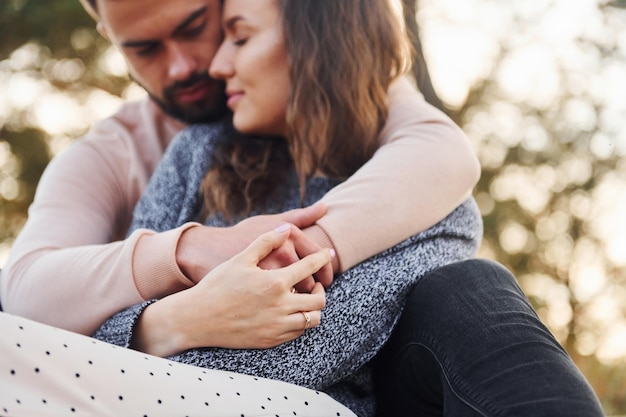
47,372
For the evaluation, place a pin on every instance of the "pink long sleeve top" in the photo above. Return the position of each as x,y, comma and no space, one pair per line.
72,268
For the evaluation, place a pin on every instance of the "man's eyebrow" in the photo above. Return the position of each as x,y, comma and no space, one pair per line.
193,16
148,42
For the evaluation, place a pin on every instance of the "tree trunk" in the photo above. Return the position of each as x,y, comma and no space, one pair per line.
419,68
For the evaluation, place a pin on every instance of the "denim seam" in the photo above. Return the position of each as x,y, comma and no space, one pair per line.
452,386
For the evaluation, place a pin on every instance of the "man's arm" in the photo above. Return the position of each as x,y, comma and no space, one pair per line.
65,271
66,261
425,168
361,309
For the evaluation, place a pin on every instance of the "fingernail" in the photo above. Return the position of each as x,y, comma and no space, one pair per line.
332,253
283,228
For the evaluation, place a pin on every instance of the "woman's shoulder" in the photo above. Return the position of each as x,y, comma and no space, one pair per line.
199,136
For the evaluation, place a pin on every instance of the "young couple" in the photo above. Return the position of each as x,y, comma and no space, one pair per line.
315,118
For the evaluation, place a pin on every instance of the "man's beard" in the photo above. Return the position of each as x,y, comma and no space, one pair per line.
208,110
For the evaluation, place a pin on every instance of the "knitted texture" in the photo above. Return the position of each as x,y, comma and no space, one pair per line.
363,303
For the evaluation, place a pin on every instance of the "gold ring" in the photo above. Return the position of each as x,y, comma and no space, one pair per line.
307,319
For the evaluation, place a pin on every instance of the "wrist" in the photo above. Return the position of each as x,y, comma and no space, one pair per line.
155,271
156,332
194,256
319,236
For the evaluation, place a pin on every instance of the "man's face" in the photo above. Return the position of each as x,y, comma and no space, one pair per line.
169,46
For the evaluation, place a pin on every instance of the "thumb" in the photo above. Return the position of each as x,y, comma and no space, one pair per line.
304,217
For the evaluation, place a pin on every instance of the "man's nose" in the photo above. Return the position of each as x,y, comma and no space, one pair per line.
181,63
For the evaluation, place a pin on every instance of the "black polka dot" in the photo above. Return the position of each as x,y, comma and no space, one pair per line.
182,397
159,402
21,327
44,401
217,393
306,403
12,371
90,362
77,375
48,352
238,394
121,398
73,409
122,371
18,345
37,370
206,403
93,398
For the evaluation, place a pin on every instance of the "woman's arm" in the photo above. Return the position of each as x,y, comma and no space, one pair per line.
425,168
361,308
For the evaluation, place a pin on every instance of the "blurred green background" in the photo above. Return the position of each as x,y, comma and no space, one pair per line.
538,85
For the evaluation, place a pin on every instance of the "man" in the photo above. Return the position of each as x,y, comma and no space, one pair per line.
69,252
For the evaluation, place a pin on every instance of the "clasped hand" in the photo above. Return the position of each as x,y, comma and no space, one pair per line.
238,304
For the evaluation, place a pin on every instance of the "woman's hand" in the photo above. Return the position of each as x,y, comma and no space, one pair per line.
237,305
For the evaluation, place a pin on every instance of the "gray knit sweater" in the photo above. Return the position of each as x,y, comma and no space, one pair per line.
363,304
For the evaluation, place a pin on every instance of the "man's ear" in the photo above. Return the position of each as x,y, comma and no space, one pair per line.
102,30
89,9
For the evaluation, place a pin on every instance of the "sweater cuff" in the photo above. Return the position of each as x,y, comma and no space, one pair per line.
155,270
318,235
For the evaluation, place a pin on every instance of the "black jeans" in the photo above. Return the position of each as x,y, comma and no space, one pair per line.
470,344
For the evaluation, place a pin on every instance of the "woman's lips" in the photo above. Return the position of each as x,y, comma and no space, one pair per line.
233,98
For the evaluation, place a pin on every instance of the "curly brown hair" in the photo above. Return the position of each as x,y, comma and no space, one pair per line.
342,55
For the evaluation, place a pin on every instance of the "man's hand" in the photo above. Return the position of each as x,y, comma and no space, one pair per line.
201,249
237,305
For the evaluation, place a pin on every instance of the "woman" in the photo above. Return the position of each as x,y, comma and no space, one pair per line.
287,65
314,125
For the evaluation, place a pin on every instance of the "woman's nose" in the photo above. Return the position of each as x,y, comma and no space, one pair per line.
222,65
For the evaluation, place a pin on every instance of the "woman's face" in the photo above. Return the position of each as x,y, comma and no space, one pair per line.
252,60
